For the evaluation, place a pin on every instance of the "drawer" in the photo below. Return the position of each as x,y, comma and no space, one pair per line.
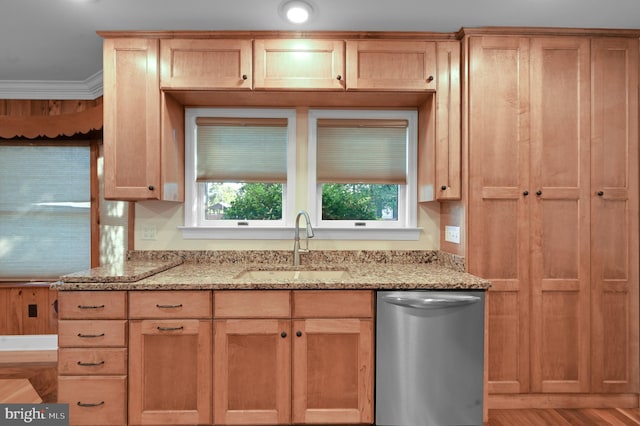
333,304
252,304
170,304
90,361
108,333
92,304
94,400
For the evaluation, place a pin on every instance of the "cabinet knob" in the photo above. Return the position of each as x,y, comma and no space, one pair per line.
538,193
283,334
429,79
525,193
443,187
299,333
339,77
244,76
151,187
600,193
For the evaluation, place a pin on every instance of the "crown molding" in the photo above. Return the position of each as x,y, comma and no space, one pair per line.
89,89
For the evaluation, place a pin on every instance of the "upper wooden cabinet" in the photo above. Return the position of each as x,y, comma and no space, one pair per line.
143,153
447,122
205,64
298,64
439,132
391,65
131,119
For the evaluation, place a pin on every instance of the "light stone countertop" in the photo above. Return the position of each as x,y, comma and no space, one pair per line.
374,270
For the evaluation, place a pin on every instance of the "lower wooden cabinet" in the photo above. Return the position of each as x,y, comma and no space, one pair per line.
252,372
249,358
311,366
94,400
170,372
333,371
92,357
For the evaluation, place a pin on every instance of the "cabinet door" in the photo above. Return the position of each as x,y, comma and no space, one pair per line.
170,372
614,215
131,119
391,65
205,64
560,328
333,371
448,142
298,64
252,372
498,224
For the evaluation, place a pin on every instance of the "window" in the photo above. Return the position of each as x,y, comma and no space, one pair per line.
362,173
240,172
45,218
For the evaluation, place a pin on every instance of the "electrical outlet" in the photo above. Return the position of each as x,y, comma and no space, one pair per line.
33,310
148,232
452,234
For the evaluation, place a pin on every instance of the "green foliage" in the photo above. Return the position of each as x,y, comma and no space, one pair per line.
357,201
256,201
346,202
263,201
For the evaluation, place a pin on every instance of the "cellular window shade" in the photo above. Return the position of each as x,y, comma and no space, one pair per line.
45,223
241,150
361,151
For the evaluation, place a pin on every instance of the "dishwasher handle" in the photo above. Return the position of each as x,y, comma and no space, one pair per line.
431,302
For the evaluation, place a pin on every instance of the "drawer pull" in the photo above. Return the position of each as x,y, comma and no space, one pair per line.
90,336
87,404
90,306
169,306
90,364
170,328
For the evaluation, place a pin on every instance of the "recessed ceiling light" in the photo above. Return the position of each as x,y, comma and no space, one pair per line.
296,11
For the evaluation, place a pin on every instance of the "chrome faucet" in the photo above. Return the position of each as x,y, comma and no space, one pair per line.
296,239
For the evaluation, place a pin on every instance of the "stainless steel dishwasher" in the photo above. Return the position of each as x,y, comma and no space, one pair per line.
429,358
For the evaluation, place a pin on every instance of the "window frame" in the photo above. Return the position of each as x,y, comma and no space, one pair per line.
195,224
405,228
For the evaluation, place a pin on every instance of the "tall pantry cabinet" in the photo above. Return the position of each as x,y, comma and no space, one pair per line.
551,144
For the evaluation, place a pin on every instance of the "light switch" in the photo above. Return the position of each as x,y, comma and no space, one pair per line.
452,234
148,232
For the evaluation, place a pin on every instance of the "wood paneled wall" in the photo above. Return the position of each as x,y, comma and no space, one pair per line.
35,119
16,316
28,107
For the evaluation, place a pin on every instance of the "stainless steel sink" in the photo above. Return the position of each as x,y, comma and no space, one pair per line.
291,274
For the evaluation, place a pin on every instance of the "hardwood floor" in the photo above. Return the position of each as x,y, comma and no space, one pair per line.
565,417
44,380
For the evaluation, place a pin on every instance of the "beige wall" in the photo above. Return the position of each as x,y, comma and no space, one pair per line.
166,217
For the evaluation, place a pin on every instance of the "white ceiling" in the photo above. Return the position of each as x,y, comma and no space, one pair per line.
55,41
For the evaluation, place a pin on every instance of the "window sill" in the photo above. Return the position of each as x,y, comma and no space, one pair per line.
221,233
